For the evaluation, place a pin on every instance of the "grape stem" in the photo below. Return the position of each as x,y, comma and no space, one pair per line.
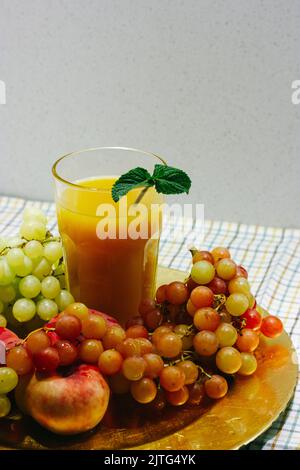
204,371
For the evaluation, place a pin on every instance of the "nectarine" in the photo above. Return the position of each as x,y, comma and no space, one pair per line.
66,405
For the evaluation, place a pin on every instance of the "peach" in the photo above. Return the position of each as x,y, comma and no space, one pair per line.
65,404
9,338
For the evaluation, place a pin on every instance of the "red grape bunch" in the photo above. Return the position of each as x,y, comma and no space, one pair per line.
184,345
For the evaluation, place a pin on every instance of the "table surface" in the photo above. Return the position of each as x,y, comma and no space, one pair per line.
271,256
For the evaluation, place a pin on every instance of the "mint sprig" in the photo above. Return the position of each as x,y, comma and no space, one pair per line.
165,179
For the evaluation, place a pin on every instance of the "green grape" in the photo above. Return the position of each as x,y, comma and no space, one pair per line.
33,213
34,250
64,299
226,334
1,306
8,380
33,230
46,309
6,273
42,269
26,267
24,309
30,286
240,285
15,242
50,287
237,304
3,321
202,272
4,406
15,257
53,251
7,293
228,360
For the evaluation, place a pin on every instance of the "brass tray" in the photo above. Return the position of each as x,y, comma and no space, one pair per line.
250,407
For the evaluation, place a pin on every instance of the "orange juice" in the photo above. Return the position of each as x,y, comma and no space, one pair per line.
112,274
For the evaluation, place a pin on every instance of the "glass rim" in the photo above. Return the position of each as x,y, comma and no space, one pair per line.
91,149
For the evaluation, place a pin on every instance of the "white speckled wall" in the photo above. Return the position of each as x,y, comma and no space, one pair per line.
205,83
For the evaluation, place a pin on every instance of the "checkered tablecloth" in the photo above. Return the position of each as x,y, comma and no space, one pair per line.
272,258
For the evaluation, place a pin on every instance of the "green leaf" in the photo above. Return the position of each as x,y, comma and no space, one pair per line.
170,180
130,180
166,179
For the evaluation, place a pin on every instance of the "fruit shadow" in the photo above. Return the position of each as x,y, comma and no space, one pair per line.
125,424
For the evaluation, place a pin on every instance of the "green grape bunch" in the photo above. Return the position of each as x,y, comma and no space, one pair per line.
32,275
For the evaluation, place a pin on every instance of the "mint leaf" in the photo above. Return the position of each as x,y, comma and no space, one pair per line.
170,180
166,179
133,179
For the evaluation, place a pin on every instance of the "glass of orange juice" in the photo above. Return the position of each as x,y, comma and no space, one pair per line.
110,249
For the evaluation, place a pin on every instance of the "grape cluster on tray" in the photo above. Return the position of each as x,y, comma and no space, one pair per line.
32,282
185,344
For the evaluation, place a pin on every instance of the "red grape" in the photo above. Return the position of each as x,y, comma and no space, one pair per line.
196,393
114,335
129,347
161,330
169,345
161,294
46,360
145,345
191,284
110,362
202,296
67,352
94,327
18,359
143,390
89,350
247,340
252,318
218,286
133,368
241,272
190,371
146,305
205,343
179,397
37,341
220,253
207,319
68,327
136,331
203,255
172,378
78,310
216,387
154,365
271,326
153,319
190,307
177,293
226,269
